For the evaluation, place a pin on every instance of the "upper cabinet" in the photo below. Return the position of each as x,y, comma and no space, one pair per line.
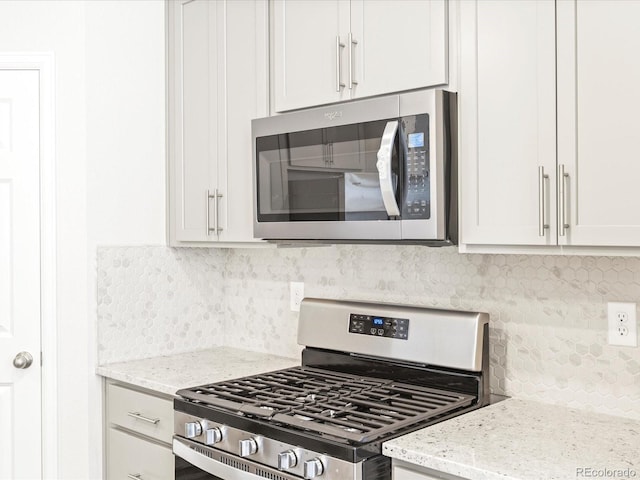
535,170
218,82
598,104
507,101
326,51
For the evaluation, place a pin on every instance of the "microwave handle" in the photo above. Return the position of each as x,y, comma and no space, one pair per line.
384,168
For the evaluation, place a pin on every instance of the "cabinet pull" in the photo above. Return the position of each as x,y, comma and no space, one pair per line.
562,202
137,416
216,227
135,476
352,44
542,200
339,83
216,219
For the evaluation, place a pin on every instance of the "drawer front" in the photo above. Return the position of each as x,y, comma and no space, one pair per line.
132,458
140,412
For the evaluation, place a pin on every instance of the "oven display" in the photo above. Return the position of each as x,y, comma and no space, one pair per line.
379,326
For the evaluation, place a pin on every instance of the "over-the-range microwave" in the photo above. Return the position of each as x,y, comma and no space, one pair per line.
378,170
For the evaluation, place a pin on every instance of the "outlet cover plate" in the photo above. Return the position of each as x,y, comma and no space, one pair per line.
296,292
619,322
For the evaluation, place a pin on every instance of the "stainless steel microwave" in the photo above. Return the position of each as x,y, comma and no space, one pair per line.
378,170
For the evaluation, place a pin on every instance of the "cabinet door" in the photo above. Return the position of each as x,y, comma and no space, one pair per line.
507,122
401,45
193,122
134,457
308,62
598,104
245,50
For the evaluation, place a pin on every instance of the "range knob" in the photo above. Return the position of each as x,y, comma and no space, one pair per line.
313,468
192,429
287,460
248,447
212,436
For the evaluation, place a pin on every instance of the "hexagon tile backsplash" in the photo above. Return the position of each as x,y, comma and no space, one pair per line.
548,313
158,301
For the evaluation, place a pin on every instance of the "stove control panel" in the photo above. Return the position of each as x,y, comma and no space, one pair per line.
379,326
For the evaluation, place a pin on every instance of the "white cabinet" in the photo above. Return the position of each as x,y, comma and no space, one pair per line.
507,104
218,82
138,434
326,51
520,183
406,471
598,105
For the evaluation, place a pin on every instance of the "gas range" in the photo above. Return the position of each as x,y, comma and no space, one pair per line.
370,372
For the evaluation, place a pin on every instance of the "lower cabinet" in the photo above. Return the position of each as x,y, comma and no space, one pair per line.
405,471
139,428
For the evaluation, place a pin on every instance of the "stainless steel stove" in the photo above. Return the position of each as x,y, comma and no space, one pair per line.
369,372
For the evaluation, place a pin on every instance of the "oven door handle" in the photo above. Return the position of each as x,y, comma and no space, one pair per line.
213,467
385,174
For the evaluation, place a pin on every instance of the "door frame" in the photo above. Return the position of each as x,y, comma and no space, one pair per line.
45,63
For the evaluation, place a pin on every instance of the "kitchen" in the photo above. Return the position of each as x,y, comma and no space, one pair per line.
122,294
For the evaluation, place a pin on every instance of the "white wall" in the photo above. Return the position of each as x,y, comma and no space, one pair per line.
125,83
110,140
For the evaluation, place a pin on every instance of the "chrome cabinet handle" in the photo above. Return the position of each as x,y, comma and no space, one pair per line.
339,83
208,213
562,207
216,219
137,416
216,228
384,168
136,476
542,199
352,44
23,360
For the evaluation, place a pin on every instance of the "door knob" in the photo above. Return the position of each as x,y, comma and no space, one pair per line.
23,360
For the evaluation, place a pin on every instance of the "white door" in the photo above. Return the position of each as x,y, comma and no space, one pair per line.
507,104
309,54
598,103
401,45
20,389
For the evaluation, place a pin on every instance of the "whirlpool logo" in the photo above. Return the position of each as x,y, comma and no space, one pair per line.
333,115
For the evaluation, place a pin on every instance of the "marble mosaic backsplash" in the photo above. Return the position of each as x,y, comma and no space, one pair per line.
548,313
158,301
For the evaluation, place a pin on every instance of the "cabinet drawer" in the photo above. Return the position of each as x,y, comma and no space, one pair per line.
133,457
139,411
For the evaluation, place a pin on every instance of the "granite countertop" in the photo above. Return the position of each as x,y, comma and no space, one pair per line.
525,440
168,374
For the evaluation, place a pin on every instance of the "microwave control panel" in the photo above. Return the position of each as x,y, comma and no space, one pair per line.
417,204
379,326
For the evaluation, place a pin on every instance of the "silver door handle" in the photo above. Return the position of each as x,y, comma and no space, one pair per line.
134,476
23,360
137,416
352,44
216,219
562,202
216,227
384,168
339,45
542,198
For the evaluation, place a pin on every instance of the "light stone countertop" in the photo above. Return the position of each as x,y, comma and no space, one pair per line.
168,374
525,440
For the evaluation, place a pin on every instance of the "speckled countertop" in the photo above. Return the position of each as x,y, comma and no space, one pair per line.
167,374
525,440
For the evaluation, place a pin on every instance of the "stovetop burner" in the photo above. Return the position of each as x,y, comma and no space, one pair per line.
321,402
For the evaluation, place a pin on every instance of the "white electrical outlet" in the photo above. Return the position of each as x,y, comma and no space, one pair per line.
296,290
623,329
